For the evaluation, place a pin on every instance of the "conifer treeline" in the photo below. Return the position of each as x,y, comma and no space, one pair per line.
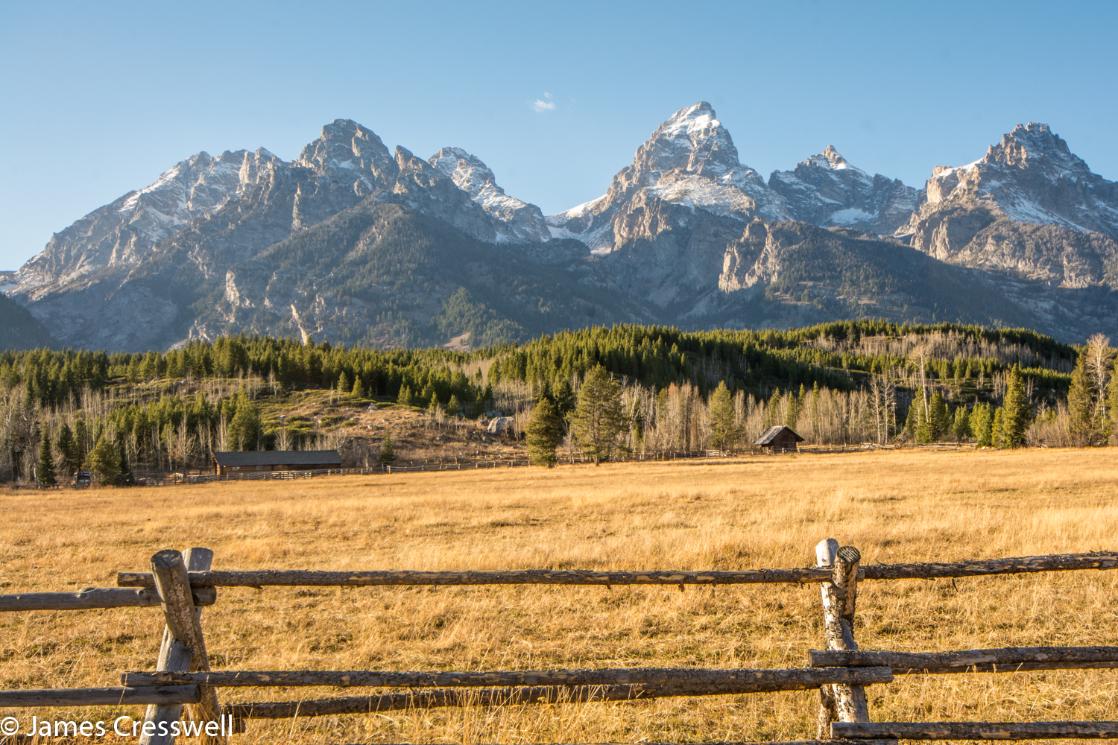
52,377
840,355
840,382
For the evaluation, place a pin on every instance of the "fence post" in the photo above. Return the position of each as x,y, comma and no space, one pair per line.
839,702
183,647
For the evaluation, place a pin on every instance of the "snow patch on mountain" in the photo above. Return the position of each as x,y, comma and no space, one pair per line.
825,189
518,221
713,195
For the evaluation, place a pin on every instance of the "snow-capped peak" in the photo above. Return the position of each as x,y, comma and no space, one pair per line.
830,158
693,120
200,183
1029,176
692,140
517,220
464,169
825,189
689,160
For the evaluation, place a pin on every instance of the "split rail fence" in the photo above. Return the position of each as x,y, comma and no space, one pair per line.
182,584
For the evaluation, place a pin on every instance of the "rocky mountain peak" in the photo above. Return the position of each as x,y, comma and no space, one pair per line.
463,168
1035,145
692,140
517,220
1029,206
256,163
358,243
192,187
345,145
688,165
122,233
829,158
1031,175
825,189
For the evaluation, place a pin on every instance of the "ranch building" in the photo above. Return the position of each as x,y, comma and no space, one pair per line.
779,439
252,461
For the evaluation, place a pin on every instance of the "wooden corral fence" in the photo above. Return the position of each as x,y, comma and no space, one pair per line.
182,584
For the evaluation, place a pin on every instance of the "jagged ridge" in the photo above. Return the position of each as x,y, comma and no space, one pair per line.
415,251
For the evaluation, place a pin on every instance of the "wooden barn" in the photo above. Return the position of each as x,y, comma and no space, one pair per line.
251,461
779,439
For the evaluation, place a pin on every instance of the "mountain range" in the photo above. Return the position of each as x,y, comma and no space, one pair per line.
354,243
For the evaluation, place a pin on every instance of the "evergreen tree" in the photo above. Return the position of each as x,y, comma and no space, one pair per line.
358,389
124,469
68,449
795,405
343,383
82,440
773,409
598,418
433,405
912,420
723,425
387,454
960,424
453,406
44,469
929,424
244,428
104,461
941,417
564,398
997,429
1080,404
982,424
1016,411
545,433
404,396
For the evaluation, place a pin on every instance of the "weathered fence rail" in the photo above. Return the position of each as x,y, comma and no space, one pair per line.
742,680
182,584
979,730
824,574
158,694
1000,660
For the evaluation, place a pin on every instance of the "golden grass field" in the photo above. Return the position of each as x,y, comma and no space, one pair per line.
750,512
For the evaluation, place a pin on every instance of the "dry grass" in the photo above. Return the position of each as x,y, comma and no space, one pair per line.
899,506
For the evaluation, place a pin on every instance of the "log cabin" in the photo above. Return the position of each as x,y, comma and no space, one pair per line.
779,439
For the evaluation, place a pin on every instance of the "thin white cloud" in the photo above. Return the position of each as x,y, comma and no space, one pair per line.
545,104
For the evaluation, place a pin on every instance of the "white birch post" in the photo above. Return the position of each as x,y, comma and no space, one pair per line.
842,703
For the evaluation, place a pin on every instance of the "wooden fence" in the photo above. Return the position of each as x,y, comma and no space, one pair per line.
183,584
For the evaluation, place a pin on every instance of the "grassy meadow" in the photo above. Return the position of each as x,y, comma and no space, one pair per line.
750,512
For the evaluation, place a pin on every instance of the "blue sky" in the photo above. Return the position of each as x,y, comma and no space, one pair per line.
98,98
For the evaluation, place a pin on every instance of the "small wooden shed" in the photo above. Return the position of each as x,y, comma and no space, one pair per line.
779,439
249,461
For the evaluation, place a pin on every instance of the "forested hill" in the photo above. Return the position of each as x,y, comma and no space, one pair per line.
837,355
840,383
